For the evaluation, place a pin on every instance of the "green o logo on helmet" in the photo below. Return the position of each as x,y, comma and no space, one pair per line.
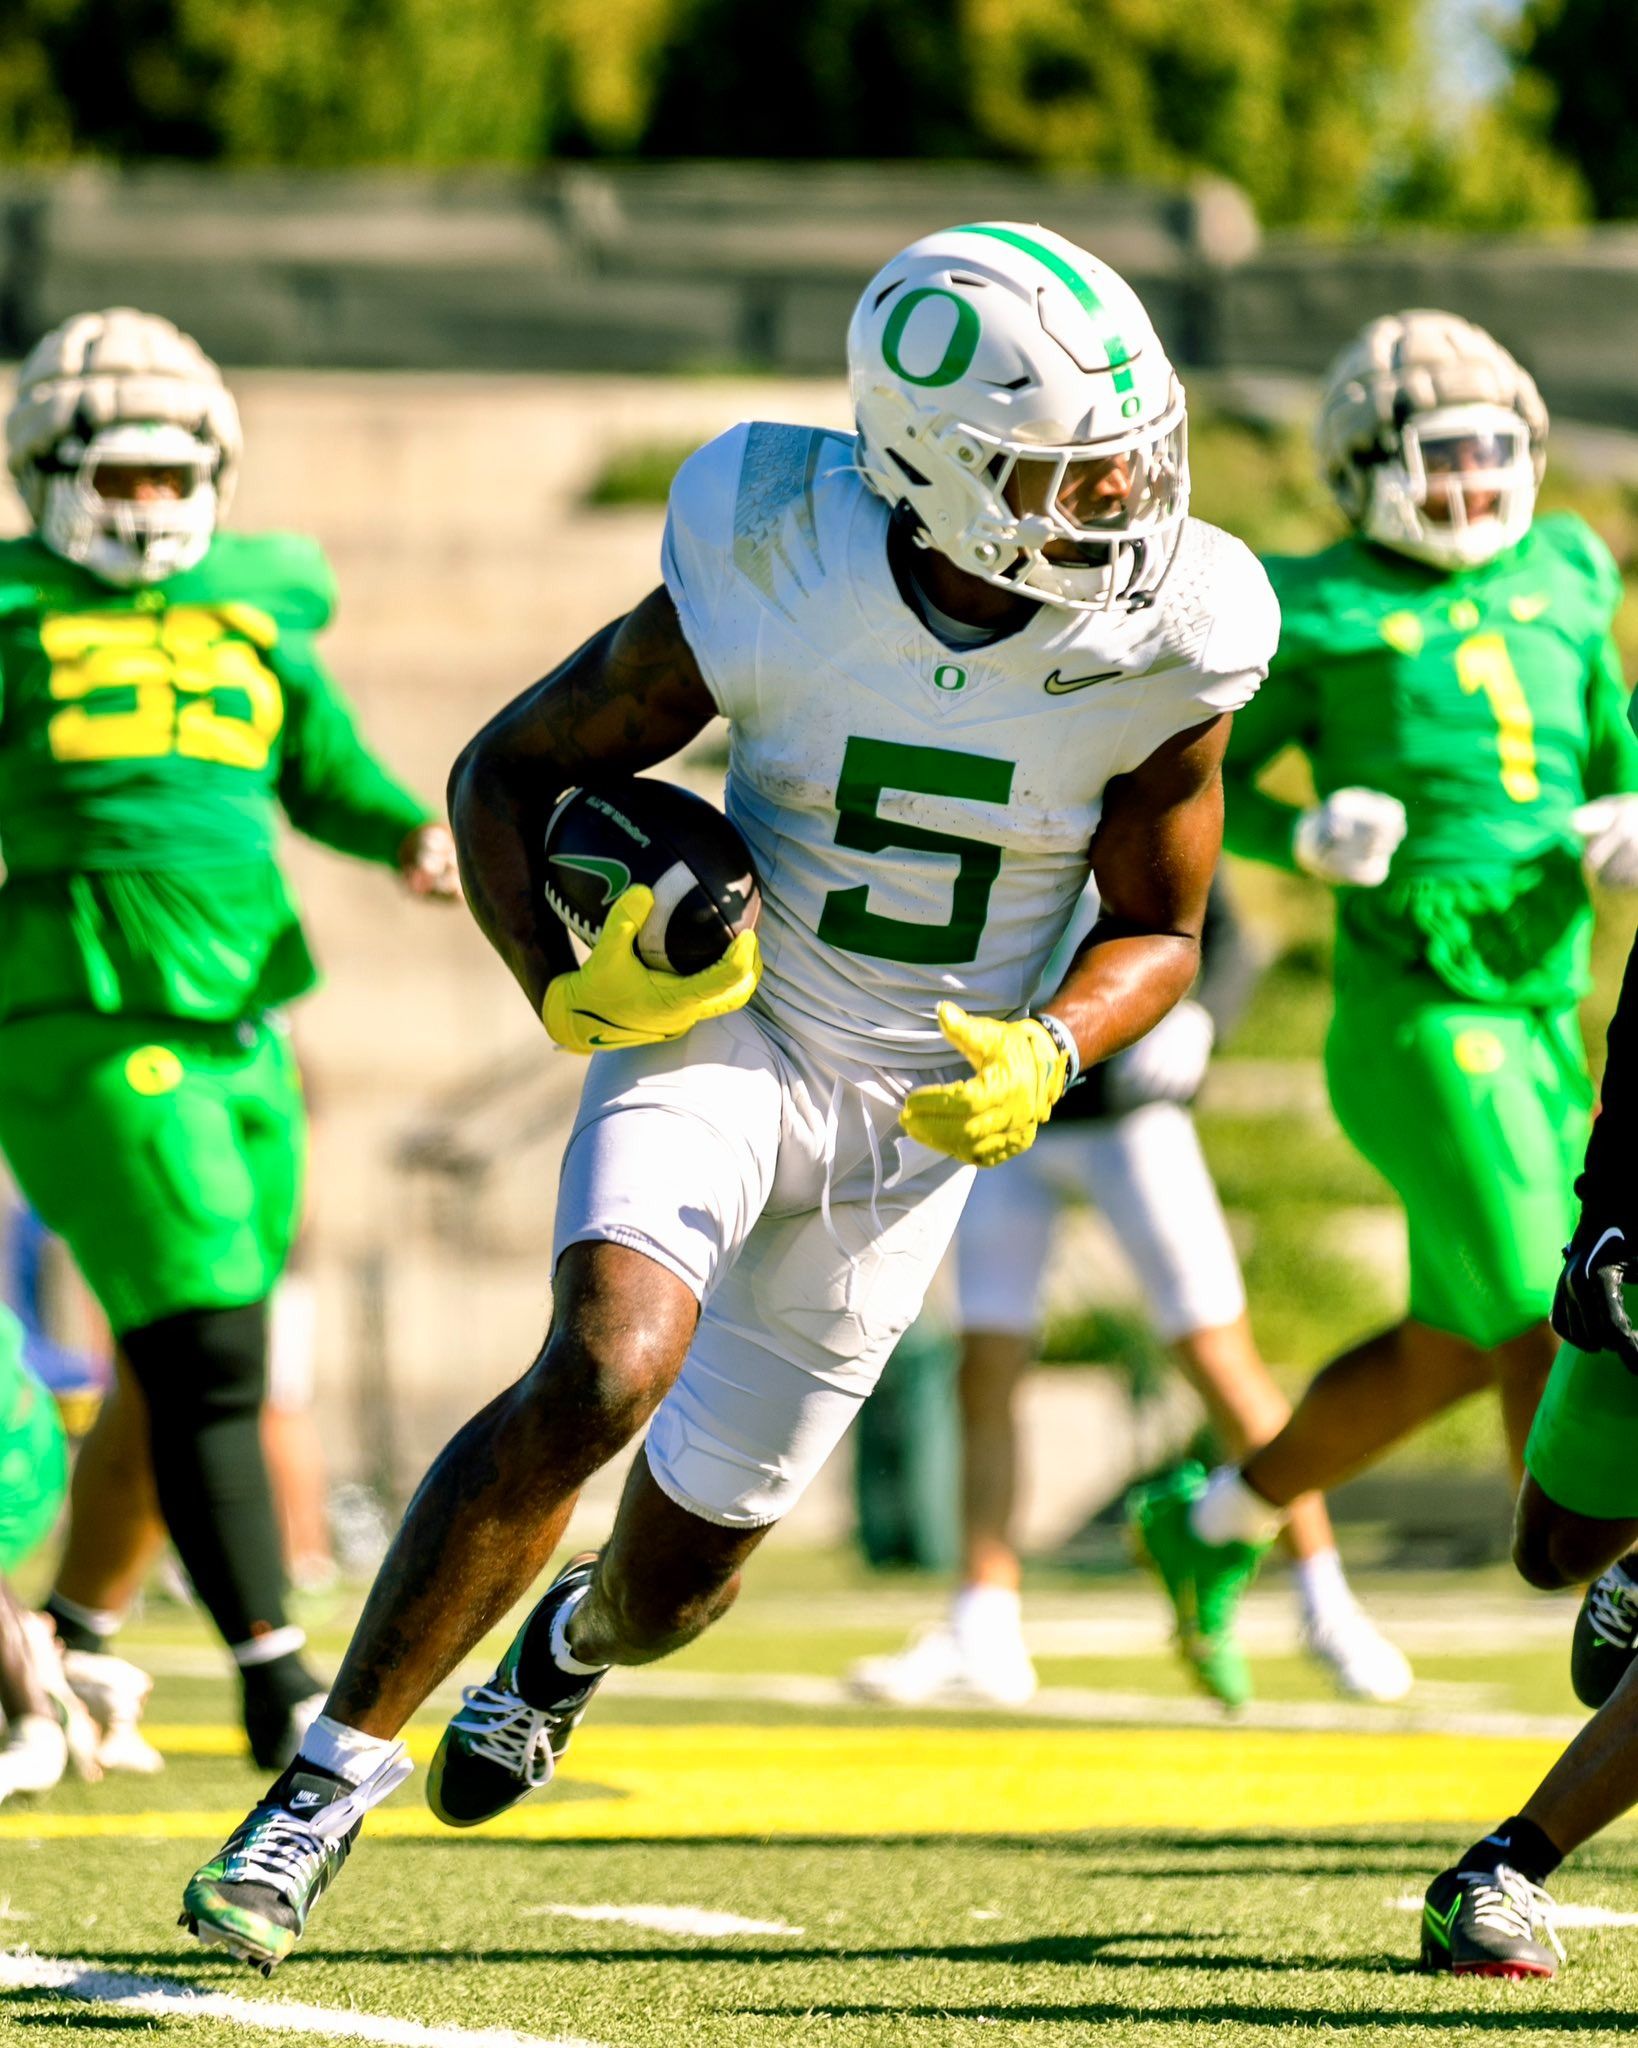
960,346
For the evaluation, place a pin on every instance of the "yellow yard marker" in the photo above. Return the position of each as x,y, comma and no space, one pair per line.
674,1783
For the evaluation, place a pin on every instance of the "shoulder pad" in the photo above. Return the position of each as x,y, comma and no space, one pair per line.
286,575
1222,612
1581,550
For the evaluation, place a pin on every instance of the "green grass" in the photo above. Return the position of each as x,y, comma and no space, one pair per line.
1223,1937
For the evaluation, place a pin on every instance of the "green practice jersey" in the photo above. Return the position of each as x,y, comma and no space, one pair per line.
148,741
1490,702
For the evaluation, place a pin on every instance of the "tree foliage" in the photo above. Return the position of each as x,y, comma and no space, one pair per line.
1315,107
1579,58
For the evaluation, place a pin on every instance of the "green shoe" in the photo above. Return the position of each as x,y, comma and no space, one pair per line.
254,1895
1205,1581
501,1747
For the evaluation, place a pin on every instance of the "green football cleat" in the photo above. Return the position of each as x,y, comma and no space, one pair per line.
254,1895
1486,1923
1606,1635
501,1747
1204,1581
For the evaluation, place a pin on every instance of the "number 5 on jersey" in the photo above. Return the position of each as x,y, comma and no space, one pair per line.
871,767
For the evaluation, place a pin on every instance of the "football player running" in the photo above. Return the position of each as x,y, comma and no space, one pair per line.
1123,1139
162,702
1448,670
965,657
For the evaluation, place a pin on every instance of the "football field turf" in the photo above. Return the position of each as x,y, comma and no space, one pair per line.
735,1854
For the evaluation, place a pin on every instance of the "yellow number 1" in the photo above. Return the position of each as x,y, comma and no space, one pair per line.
1483,663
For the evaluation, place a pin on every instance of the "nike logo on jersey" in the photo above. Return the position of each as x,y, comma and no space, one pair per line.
1524,609
1058,685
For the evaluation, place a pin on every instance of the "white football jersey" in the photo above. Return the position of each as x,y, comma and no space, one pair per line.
920,816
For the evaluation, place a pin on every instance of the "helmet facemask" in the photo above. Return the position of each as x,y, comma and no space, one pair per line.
134,503
1460,490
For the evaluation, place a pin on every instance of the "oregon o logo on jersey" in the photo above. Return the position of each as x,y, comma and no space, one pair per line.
960,342
948,676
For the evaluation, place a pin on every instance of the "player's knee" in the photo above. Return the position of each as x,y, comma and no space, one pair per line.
205,1363
606,1382
1553,1549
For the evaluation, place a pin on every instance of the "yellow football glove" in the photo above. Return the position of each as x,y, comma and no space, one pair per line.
1018,1074
614,1000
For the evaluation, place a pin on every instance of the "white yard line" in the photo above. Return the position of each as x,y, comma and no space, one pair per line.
21,1970
699,1920
1562,1915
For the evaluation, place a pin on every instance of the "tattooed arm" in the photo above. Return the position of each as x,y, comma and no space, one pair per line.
632,696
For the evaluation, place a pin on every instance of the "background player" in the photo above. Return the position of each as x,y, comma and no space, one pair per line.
33,1486
749,1215
162,702
1449,673
1124,1140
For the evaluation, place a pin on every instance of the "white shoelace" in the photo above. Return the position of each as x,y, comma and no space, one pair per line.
507,1731
285,1852
1614,1604
1509,1904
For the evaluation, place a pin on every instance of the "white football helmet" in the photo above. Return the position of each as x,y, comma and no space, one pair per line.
1010,389
1433,438
122,389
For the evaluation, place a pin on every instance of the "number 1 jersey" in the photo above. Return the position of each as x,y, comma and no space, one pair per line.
921,816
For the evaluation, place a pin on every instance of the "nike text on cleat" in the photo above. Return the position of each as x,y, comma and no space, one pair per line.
500,1746
1484,1923
254,1895
1204,1581
1606,1636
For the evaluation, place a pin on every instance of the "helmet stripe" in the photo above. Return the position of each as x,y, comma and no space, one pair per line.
1115,350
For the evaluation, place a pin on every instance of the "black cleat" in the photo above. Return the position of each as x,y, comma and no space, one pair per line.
500,1747
254,1895
1483,1923
1606,1635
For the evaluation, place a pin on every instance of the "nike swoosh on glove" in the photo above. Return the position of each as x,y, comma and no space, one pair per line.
1350,838
1609,834
1590,1307
613,999
992,1116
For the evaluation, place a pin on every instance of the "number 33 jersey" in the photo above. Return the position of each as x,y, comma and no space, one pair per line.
148,741
920,815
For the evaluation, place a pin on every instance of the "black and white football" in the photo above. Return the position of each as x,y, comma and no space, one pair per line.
599,841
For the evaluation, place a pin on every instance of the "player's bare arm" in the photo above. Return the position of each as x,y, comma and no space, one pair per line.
631,697
1154,854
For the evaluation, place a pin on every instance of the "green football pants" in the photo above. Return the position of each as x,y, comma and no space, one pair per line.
1477,1118
168,1154
33,1453
1583,1447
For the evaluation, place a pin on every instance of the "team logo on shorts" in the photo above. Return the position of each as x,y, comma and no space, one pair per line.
153,1070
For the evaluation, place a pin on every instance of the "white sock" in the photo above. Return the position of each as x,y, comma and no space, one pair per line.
342,1751
101,1621
1229,1511
268,1649
1321,1587
982,1613
558,1642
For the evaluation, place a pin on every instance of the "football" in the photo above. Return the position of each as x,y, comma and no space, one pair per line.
601,841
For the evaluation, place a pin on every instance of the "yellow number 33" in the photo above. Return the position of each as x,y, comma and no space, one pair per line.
139,685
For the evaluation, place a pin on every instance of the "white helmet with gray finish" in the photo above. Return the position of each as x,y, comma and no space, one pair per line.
122,388
1433,438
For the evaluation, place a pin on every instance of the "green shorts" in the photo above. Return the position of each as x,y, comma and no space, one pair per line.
33,1453
1583,1447
1477,1118
167,1154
